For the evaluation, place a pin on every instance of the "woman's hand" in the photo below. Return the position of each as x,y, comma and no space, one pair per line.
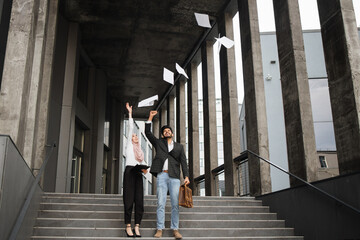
129,108
144,171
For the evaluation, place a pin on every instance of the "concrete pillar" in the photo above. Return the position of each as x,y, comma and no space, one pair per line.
156,132
342,56
193,127
162,118
98,133
53,108
180,113
32,113
42,135
255,115
16,79
209,108
299,126
67,122
119,152
171,111
230,108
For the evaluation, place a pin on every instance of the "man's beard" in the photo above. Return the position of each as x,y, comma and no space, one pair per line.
168,137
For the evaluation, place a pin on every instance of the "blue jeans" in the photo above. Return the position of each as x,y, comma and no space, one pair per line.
165,183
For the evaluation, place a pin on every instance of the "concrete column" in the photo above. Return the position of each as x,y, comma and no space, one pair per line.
119,153
114,143
156,132
53,108
32,117
209,108
67,122
16,79
171,111
180,113
230,108
193,126
299,126
98,133
163,118
255,111
342,56
42,125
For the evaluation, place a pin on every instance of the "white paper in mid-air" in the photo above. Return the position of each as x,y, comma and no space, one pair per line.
168,76
226,42
148,102
181,70
202,20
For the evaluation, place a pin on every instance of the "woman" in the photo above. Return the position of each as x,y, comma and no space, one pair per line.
133,182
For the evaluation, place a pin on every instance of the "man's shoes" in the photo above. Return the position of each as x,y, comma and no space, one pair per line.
177,235
158,234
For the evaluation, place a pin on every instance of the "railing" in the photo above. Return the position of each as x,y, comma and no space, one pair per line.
307,183
244,183
30,195
242,170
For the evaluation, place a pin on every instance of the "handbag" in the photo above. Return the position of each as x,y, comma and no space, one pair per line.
185,196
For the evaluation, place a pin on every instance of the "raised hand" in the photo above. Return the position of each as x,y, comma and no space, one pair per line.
128,107
152,114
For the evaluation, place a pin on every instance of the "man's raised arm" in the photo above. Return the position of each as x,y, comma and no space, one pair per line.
148,132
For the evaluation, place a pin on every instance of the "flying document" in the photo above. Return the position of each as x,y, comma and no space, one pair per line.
148,102
181,70
168,76
203,20
228,43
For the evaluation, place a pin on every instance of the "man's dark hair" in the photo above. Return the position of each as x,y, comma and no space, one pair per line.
164,127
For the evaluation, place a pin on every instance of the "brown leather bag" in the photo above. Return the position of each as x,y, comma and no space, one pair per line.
185,196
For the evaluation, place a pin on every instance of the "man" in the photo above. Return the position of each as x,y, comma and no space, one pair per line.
166,168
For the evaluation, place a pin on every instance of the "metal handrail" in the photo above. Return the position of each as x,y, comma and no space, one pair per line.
307,183
30,195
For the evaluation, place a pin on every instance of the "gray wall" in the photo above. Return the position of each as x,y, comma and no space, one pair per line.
315,216
15,182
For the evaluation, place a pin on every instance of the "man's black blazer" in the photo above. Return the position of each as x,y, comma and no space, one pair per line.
176,157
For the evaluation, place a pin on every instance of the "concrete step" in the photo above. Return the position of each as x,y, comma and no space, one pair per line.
152,215
147,223
168,238
106,196
100,217
149,201
149,232
150,208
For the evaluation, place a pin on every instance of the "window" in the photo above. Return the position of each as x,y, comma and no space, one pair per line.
323,162
126,130
106,133
143,143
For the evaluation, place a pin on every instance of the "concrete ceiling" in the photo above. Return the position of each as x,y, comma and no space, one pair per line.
132,40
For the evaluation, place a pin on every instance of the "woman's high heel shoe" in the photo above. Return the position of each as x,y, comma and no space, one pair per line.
127,234
137,235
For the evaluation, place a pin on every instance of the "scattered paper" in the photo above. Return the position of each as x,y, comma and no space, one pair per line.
148,102
226,42
181,70
202,20
168,76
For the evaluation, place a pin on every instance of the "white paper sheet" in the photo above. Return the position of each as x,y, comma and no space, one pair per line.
226,42
202,20
148,102
168,76
181,70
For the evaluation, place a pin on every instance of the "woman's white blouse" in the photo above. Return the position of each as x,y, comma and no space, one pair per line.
129,151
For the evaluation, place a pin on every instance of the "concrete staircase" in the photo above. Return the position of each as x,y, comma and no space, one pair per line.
95,216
